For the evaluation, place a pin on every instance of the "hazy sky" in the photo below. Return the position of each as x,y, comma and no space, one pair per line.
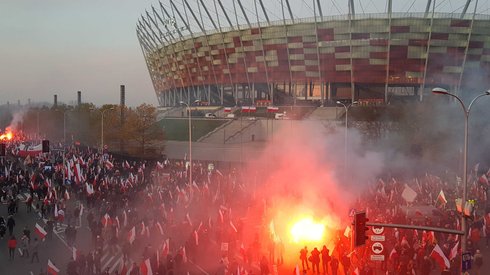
52,47
62,46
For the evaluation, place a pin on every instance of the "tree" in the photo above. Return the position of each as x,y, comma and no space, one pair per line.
140,126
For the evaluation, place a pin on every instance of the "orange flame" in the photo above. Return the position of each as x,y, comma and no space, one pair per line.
7,136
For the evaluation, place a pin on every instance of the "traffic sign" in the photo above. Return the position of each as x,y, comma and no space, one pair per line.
377,257
377,229
466,258
378,238
377,248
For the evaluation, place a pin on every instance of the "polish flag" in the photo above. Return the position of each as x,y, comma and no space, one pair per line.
454,252
233,226
106,220
76,253
165,248
143,228
252,109
441,197
188,219
227,110
159,226
145,268
132,235
245,109
184,255
439,257
56,210
108,165
196,237
125,218
272,109
40,231
52,269
393,254
78,173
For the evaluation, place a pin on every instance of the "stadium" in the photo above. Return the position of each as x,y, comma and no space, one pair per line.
287,52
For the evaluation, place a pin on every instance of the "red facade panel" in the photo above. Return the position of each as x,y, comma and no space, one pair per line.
400,29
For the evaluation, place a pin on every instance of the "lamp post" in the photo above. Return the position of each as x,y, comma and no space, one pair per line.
102,130
442,91
189,115
346,107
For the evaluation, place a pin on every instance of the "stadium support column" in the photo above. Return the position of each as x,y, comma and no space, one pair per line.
240,38
223,42
207,43
388,49
466,48
55,101
271,91
466,5
287,43
421,92
122,89
352,85
320,80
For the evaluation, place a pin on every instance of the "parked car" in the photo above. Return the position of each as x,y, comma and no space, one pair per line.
210,115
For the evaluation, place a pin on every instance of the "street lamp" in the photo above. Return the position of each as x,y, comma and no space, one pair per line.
442,91
102,130
346,107
189,115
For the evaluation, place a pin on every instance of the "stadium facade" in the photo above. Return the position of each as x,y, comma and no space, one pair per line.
237,55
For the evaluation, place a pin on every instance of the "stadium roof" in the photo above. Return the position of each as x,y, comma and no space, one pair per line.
169,21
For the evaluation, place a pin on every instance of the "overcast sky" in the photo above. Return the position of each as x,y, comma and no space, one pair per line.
61,46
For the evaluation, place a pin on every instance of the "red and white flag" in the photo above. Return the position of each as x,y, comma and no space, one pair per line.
132,235
52,269
184,255
125,218
108,165
145,268
441,197
272,109
106,220
160,229
393,254
227,109
165,248
76,253
454,252
439,257
188,218
196,237
233,226
56,210
40,231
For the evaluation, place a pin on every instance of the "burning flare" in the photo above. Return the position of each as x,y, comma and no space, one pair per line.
8,135
307,230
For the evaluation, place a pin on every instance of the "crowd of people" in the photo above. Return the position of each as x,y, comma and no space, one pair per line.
152,213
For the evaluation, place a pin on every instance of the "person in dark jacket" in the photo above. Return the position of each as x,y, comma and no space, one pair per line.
11,225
